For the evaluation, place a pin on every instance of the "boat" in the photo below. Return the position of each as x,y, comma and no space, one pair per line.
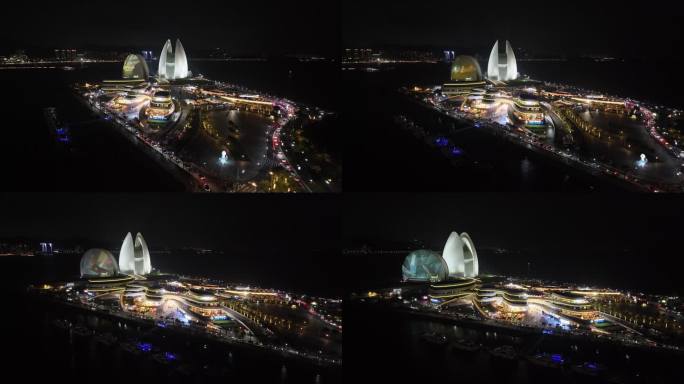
548,360
131,348
62,324
106,339
162,358
434,338
588,368
505,352
466,346
59,131
80,330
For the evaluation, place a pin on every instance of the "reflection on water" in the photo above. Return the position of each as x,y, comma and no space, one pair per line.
399,338
89,345
525,168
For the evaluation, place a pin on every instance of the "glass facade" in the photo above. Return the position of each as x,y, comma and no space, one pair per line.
135,67
465,68
424,265
98,263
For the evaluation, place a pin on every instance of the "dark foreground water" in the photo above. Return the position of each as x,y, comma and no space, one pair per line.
98,157
382,346
36,348
389,159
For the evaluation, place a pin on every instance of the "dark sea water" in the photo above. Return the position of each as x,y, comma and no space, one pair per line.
311,83
387,158
238,267
642,80
99,158
383,346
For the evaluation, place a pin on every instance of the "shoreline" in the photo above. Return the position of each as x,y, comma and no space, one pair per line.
512,329
334,363
573,164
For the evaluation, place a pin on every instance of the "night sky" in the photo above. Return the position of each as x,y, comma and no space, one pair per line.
266,26
281,241
627,240
518,220
229,223
571,27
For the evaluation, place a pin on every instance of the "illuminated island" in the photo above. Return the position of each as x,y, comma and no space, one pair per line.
211,135
130,295
445,302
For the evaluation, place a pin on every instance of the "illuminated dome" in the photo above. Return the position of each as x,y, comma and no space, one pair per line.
424,265
98,263
465,68
135,67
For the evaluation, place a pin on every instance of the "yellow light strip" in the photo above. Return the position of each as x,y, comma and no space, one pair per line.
128,278
453,285
247,101
594,293
445,296
105,289
251,293
590,101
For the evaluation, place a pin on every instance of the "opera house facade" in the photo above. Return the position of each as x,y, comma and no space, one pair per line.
134,257
466,74
451,275
98,266
460,255
453,278
135,67
130,286
173,64
96,263
424,265
467,77
458,260
502,67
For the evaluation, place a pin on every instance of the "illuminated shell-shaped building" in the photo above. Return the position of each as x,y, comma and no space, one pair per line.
424,265
180,70
142,256
502,67
135,67
98,262
134,256
166,61
460,255
173,64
